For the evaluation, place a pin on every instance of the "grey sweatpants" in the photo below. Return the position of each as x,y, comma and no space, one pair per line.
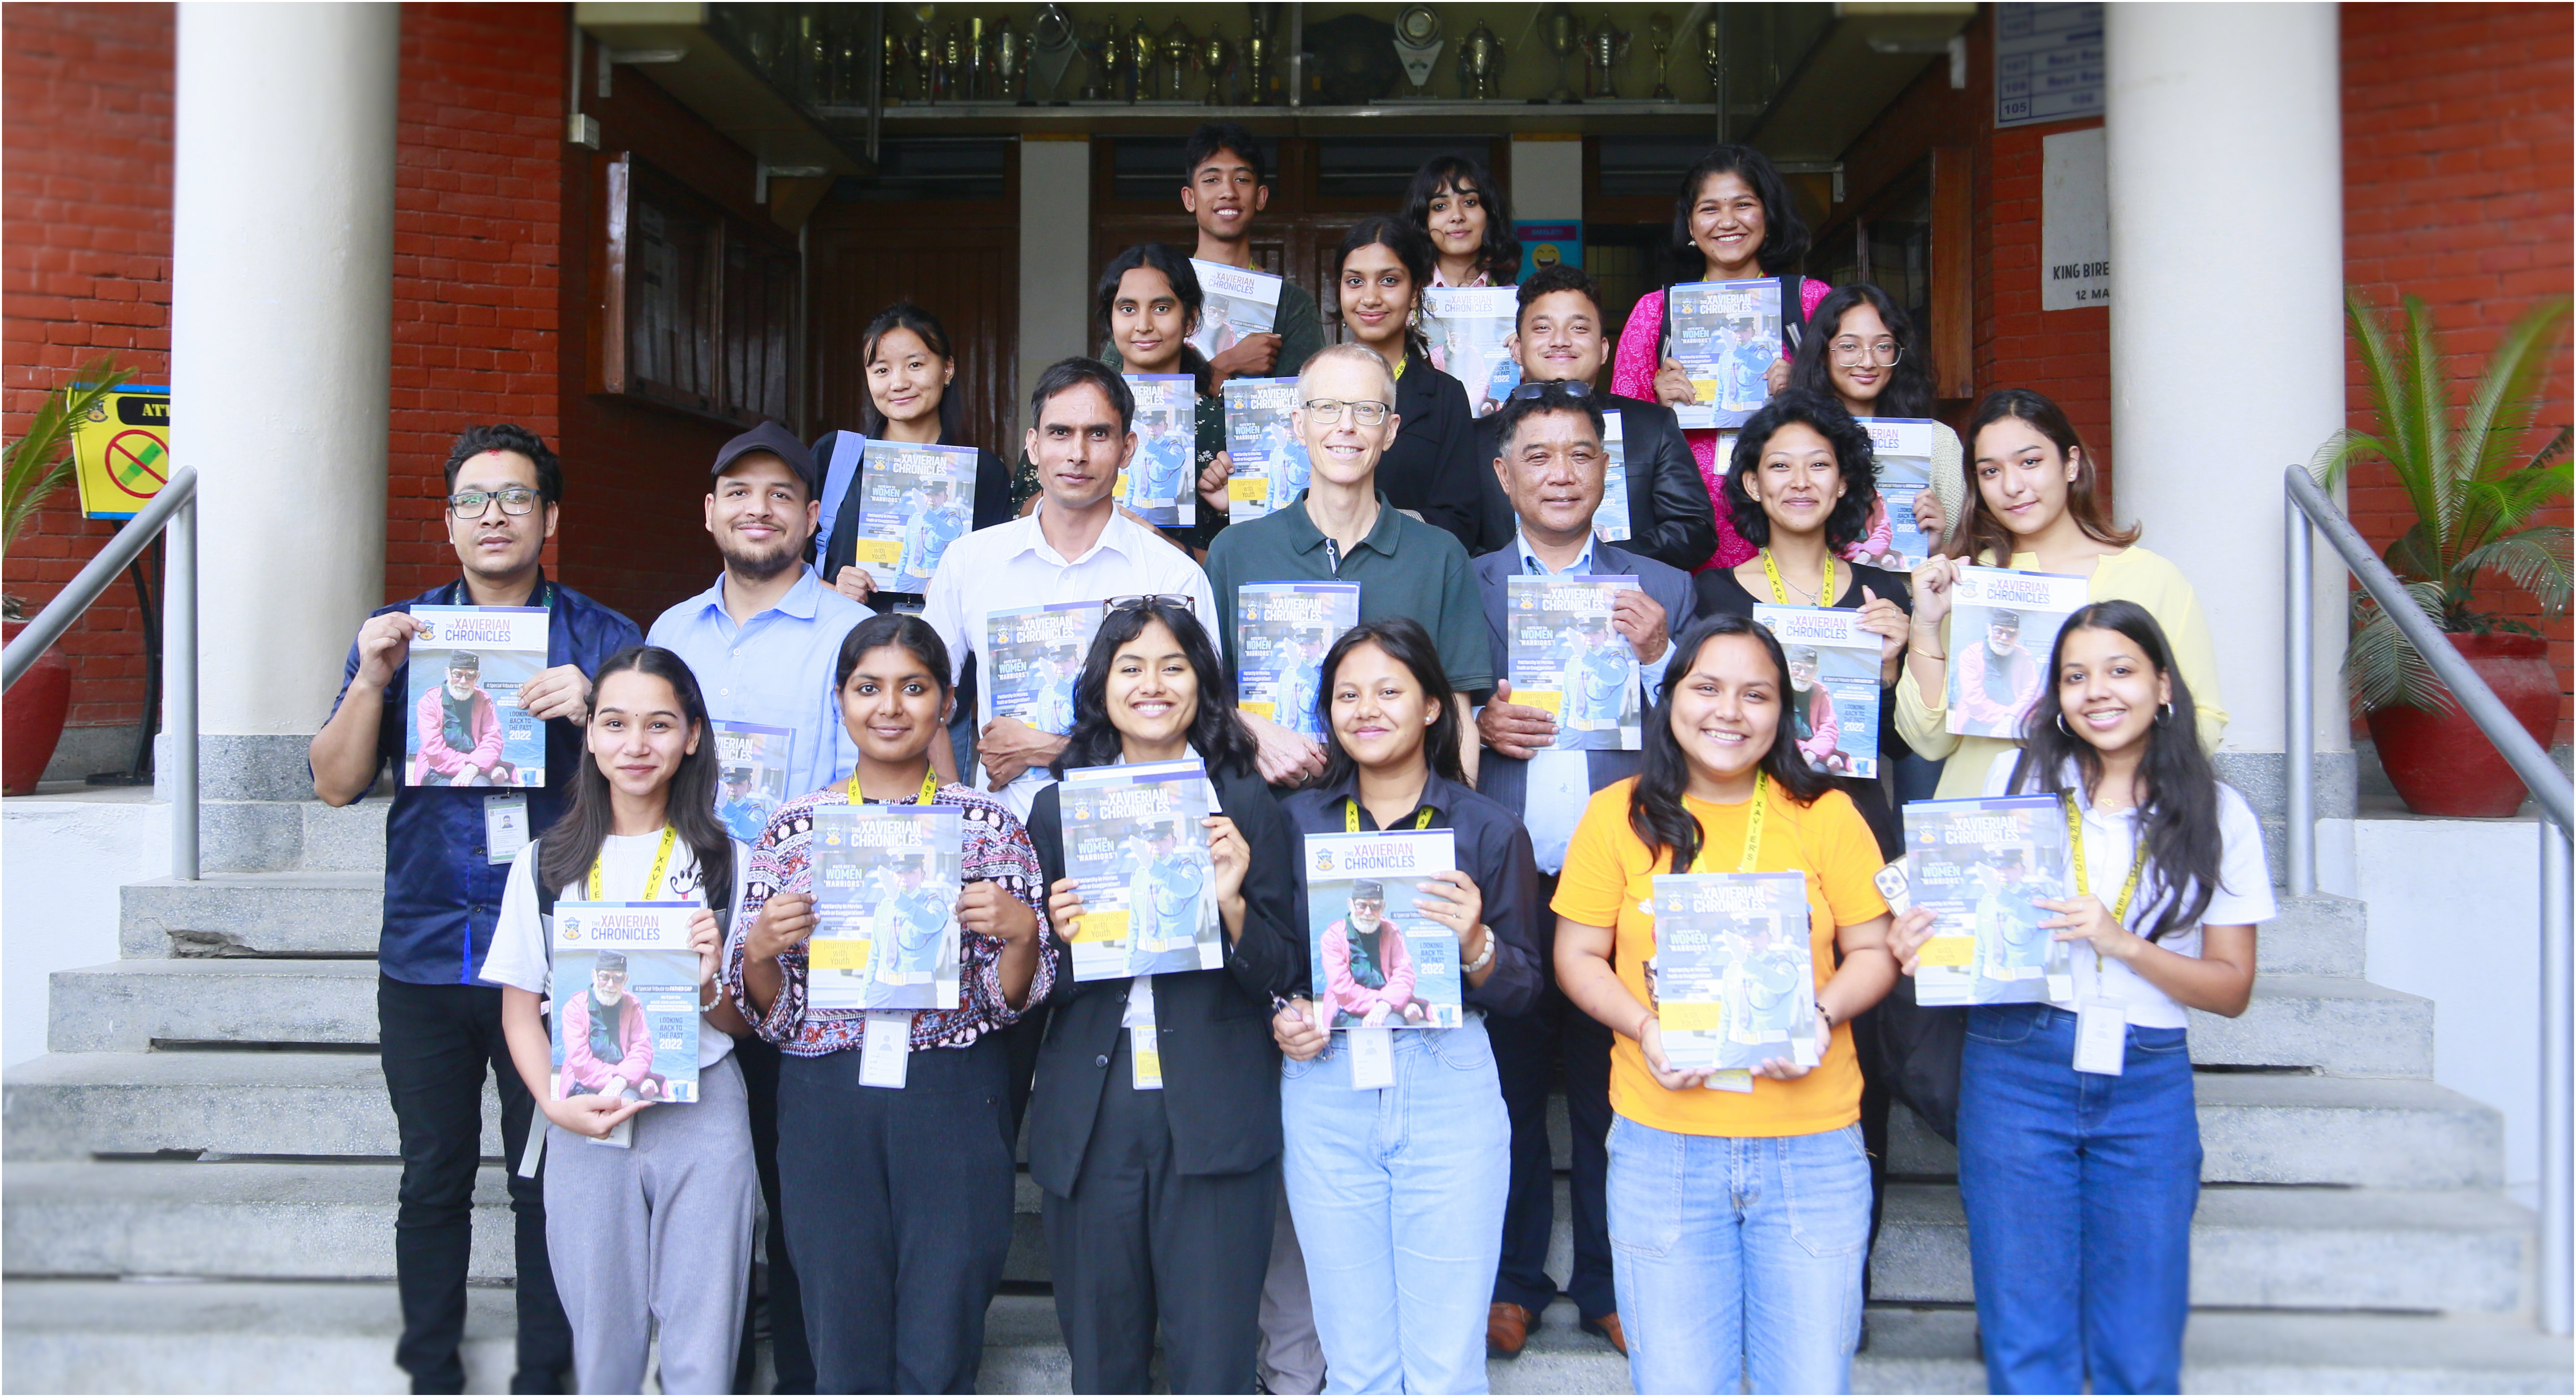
1292,1352
657,1236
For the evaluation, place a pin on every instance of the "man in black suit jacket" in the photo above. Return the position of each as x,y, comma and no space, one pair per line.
1562,340
1550,470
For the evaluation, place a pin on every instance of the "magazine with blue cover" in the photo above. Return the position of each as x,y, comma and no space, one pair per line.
1562,655
625,992
1032,658
2003,627
751,776
465,726
1834,693
1283,630
1160,484
1473,331
1135,837
1376,961
1727,336
1902,448
1734,973
1234,302
914,501
1270,465
1980,865
1610,522
886,879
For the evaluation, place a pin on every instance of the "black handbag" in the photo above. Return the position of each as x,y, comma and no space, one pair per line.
1918,1056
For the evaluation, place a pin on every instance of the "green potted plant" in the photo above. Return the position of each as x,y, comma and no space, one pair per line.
33,469
2475,493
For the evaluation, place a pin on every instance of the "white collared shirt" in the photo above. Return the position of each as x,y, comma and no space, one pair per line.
1011,565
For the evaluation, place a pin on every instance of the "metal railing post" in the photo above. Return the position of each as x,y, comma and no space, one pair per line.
2299,730
179,671
2557,1081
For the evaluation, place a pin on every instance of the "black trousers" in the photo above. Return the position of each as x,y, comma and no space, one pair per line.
1532,1053
436,1042
1140,1244
789,1354
902,1208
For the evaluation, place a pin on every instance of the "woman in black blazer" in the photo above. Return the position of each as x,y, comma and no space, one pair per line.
909,365
1159,1201
1431,468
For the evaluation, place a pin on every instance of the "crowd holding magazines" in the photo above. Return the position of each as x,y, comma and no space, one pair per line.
1257,871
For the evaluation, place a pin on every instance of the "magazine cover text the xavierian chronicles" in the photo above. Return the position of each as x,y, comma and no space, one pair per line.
914,501
1834,695
1032,656
625,990
1285,629
1727,336
1135,837
1734,973
1564,656
1270,465
1473,330
1981,865
466,727
1160,484
1377,962
1234,302
886,879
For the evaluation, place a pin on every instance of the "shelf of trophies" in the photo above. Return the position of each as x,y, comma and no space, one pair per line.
1079,67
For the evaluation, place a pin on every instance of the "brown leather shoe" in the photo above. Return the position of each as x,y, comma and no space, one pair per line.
1507,1329
1608,1327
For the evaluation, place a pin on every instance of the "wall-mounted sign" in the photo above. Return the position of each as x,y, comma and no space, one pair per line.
121,451
2048,63
2074,221
1548,244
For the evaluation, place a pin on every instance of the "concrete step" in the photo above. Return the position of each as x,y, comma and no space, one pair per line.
74,1105
306,1220
2339,1026
2270,1248
2315,934
231,1336
2266,1128
295,913
129,1006
247,836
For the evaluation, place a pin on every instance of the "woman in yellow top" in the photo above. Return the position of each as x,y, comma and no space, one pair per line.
1739,1204
2034,507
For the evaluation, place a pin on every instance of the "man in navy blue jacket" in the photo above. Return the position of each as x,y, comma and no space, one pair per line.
447,854
1550,463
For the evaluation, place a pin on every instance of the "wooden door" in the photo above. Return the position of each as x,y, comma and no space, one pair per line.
959,260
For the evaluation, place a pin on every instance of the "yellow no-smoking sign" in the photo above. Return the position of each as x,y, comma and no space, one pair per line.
122,451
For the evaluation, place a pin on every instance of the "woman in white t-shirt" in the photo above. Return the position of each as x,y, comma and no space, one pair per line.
649,1201
2079,1151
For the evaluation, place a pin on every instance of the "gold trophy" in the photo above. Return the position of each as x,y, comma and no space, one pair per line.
1659,37
925,65
1712,56
1480,64
1010,64
1179,45
1564,39
1215,55
976,59
1144,49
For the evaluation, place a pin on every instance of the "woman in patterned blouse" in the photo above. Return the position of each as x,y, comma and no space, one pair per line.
898,1201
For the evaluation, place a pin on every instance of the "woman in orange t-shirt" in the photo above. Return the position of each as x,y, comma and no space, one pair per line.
1739,1200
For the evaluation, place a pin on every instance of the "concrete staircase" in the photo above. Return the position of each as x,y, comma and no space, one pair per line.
200,1176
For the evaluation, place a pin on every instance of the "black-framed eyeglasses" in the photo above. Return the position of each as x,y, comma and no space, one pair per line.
1143,600
1563,388
1849,353
470,504
1327,411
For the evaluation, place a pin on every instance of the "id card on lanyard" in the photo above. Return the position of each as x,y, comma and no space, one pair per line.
2102,1023
1144,1041
1372,1050
885,1044
505,817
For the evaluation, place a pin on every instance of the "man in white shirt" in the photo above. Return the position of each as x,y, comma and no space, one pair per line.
1075,546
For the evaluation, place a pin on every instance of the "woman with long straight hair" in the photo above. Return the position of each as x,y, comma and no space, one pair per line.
2080,1173
1739,1218
910,369
1468,218
1399,1190
1733,220
900,1195
2035,504
1160,1189
1429,470
654,1237
1149,302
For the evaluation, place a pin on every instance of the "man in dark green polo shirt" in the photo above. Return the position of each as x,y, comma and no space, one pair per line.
1343,530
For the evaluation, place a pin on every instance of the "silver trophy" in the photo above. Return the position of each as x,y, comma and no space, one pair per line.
1179,47
1565,40
1049,52
1480,63
1100,46
1010,65
1418,45
1603,52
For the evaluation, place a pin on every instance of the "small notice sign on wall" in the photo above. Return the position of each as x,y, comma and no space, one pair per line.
2074,222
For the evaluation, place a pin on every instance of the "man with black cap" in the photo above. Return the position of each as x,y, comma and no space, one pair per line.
764,643
448,848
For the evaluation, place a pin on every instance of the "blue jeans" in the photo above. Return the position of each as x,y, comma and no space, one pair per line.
1738,1257
2079,1190
1398,1197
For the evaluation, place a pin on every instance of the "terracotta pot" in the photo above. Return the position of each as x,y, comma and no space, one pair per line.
31,718
2438,760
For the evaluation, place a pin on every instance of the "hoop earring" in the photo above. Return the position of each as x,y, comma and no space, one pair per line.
2061,724
2164,715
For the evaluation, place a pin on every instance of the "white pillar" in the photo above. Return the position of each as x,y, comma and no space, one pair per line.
2227,349
281,346
1547,177
1055,259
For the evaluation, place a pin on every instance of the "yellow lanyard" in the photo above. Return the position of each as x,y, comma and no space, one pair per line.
1752,828
1351,817
1780,590
929,789
598,888
1399,366
2083,881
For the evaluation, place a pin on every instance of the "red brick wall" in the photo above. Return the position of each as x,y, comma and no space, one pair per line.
2456,130
85,101
2065,354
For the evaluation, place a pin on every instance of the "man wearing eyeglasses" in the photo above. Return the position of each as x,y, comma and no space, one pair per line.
447,854
1560,340
1342,529
1075,546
